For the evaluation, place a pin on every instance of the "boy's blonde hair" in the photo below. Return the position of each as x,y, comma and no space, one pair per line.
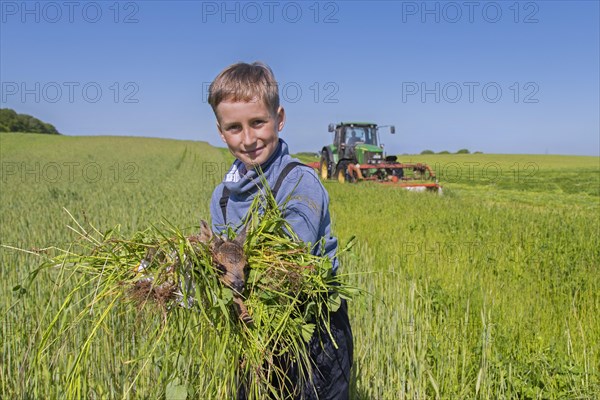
245,82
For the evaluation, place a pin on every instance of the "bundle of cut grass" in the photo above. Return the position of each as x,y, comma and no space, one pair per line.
260,295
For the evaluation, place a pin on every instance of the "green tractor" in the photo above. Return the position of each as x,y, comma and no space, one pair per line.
357,154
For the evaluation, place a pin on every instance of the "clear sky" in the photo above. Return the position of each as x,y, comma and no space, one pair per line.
498,77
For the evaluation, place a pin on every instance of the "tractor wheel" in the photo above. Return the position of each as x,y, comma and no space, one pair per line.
324,167
342,173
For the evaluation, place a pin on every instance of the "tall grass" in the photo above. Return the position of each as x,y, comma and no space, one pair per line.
473,297
490,291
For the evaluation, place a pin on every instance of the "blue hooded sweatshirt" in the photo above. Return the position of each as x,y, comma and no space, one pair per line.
307,211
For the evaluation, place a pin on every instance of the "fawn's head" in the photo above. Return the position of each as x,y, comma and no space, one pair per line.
229,258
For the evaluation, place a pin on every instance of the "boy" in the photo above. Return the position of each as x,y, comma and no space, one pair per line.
245,100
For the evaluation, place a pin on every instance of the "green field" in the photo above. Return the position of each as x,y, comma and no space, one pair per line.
491,291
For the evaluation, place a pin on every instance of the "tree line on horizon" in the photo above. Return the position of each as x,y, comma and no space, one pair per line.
461,151
11,121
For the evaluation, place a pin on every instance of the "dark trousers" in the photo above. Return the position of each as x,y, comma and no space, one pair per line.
330,378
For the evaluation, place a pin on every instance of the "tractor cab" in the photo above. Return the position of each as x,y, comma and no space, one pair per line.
360,134
353,139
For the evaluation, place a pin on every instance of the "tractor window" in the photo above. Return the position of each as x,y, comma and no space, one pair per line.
351,135
355,135
338,133
370,136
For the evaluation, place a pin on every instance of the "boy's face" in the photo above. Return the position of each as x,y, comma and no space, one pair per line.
250,130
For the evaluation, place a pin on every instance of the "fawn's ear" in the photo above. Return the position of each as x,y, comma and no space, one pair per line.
205,232
241,237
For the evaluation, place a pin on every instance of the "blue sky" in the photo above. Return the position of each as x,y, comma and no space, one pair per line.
498,77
